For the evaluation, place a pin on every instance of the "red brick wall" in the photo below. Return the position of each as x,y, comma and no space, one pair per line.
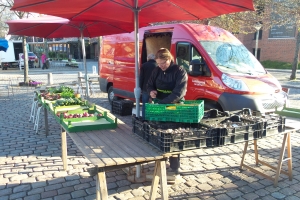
270,49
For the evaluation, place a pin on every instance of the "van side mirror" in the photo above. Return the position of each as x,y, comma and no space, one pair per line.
199,68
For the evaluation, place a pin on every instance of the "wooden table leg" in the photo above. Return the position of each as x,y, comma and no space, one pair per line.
256,152
64,148
244,153
46,120
101,187
289,151
280,160
163,180
160,174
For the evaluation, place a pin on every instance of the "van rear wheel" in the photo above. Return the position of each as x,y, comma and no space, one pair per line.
111,96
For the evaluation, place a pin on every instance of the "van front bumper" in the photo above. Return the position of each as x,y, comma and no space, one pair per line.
263,103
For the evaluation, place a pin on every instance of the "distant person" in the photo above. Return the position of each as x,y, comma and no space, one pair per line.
145,73
44,59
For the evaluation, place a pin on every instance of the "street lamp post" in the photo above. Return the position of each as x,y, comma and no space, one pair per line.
257,27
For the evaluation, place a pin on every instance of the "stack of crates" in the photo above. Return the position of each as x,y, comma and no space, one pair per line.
122,107
273,123
215,129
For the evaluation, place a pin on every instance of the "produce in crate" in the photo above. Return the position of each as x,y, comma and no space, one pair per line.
50,96
68,102
67,115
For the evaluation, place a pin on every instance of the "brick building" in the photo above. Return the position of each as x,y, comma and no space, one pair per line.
273,44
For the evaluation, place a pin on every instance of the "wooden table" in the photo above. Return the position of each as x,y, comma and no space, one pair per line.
286,144
116,149
119,148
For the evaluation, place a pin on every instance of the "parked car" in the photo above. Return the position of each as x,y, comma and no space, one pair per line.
32,60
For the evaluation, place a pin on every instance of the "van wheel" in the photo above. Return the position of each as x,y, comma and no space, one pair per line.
212,105
111,96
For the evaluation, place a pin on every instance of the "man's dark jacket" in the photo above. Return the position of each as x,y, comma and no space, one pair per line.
171,85
145,73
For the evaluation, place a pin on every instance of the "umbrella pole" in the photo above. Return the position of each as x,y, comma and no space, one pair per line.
137,89
84,64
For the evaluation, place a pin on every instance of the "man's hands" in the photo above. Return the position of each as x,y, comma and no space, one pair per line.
153,94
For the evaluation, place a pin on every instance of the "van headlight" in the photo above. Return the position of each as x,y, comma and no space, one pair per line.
235,84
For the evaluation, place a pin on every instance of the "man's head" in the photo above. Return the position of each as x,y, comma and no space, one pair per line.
151,56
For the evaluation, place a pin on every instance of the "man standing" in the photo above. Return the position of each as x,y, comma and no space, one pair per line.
145,73
44,58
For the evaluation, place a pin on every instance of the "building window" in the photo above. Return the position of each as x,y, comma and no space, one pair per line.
258,53
260,34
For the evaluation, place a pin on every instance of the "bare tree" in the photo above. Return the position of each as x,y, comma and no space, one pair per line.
269,13
289,13
7,14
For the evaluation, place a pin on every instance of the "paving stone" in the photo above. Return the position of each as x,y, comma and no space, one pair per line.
78,194
48,194
5,192
278,195
63,197
292,198
234,193
287,191
204,187
21,188
221,197
17,195
123,183
246,189
250,196
192,183
33,197
91,190
82,186
138,192
38,184
137,198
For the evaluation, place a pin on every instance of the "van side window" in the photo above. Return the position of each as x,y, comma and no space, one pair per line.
198,66
183,55
196,54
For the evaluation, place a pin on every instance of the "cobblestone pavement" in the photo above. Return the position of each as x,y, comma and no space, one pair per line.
31,165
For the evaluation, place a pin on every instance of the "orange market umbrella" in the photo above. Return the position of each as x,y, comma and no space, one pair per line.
57,27
136,12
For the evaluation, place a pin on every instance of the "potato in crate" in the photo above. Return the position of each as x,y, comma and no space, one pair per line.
188,112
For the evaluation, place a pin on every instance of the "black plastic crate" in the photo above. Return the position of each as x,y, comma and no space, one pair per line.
166,145
233,125
122,107
138,128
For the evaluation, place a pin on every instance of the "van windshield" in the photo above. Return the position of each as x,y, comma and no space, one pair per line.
232,58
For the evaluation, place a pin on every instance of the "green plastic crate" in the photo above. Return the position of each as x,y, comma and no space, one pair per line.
188,112
89,123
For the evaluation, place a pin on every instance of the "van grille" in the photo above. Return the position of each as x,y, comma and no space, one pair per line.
269,106
278,100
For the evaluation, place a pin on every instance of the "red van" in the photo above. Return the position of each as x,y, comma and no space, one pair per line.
221,70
